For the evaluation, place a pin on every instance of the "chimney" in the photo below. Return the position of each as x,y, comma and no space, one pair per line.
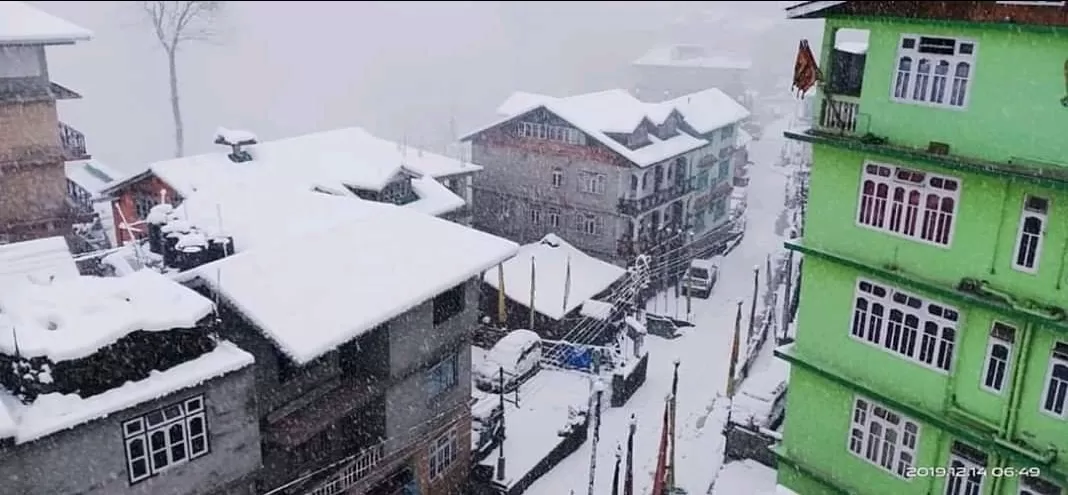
236,140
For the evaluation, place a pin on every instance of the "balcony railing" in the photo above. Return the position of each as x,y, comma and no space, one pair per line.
634,207
840,113
73,143
354,471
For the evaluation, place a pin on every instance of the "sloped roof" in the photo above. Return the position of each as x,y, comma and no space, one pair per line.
39,260
22,23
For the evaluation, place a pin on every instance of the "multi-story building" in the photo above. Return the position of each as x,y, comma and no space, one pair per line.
932,342
90,404
360,316
667,72
33,142
348,162
612,175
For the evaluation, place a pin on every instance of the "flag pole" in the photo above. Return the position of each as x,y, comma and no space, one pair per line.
734,359
628,475
661,455
567,284
674,414
502,313
532,283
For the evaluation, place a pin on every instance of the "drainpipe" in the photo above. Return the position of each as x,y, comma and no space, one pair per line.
1007,428
1060,270
1001,224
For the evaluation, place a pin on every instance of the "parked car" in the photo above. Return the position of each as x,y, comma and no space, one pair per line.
762,401
518,354
700,277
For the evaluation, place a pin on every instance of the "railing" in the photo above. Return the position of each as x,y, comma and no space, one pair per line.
73,142
840,113
353,472
638,206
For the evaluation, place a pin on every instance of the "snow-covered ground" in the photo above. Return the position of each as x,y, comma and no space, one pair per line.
703,351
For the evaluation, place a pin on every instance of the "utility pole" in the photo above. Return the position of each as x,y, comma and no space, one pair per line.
615,471
628,475
752,307
500,446
787,299
598,388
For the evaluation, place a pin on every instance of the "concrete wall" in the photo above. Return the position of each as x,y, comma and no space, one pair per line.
90,459
23,125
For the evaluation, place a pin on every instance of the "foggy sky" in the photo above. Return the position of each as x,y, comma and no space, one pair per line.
401,70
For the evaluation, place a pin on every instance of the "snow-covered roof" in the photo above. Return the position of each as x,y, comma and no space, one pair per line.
589,276
328,160
91,175
314,271
39,260
804,9
598,310
74,317
617,111
856,47
22,24
742,138
51,413
691,56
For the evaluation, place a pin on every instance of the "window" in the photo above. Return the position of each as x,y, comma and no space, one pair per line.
165,437
724,169
535,216
442,454
398,193
1030,485
590,224
448,304
558,177
590,182
998,357
908,203
1055,397
442,376
967,465
143,205
633,184
907,325
934,71
883,437
548,132
1029,238
704,180
554,218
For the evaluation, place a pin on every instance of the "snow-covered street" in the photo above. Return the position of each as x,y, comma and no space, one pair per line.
703,352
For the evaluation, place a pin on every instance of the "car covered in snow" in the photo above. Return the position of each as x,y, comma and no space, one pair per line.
518,355
762,398
700,277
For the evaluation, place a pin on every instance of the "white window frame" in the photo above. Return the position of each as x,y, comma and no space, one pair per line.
558,178
592,182
554,218
443,376
928,329
1026,486
549,132
888,207
1058,358
976,468
535,216
880,432
181,415
1007,341
590,224
1027,213
442,455
903,85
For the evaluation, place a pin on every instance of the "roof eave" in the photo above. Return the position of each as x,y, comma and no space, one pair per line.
810,10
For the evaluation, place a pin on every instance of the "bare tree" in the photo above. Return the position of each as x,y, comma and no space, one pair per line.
175,23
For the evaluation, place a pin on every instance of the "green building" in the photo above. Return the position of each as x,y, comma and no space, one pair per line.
932,343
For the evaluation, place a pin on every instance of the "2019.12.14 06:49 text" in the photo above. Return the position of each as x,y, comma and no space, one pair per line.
996,472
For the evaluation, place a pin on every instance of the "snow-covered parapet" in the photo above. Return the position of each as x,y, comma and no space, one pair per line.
234,136
159,214
192,239
176,226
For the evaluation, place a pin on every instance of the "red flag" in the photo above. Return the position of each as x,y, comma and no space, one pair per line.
659,482
806,71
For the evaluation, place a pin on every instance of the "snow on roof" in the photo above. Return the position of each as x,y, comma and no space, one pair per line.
742,138
39,260
616,111
589,276
234,136
91,175
299,253
708,264
51,413
690,56
328,160
745,477
708,110
855,47
74,317
595,309
21,23
804,9
638,326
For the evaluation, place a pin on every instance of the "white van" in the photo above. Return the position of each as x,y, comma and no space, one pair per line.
518,354
700,277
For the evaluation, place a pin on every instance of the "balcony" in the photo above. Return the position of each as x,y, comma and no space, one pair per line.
73,143
839,113
634,207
